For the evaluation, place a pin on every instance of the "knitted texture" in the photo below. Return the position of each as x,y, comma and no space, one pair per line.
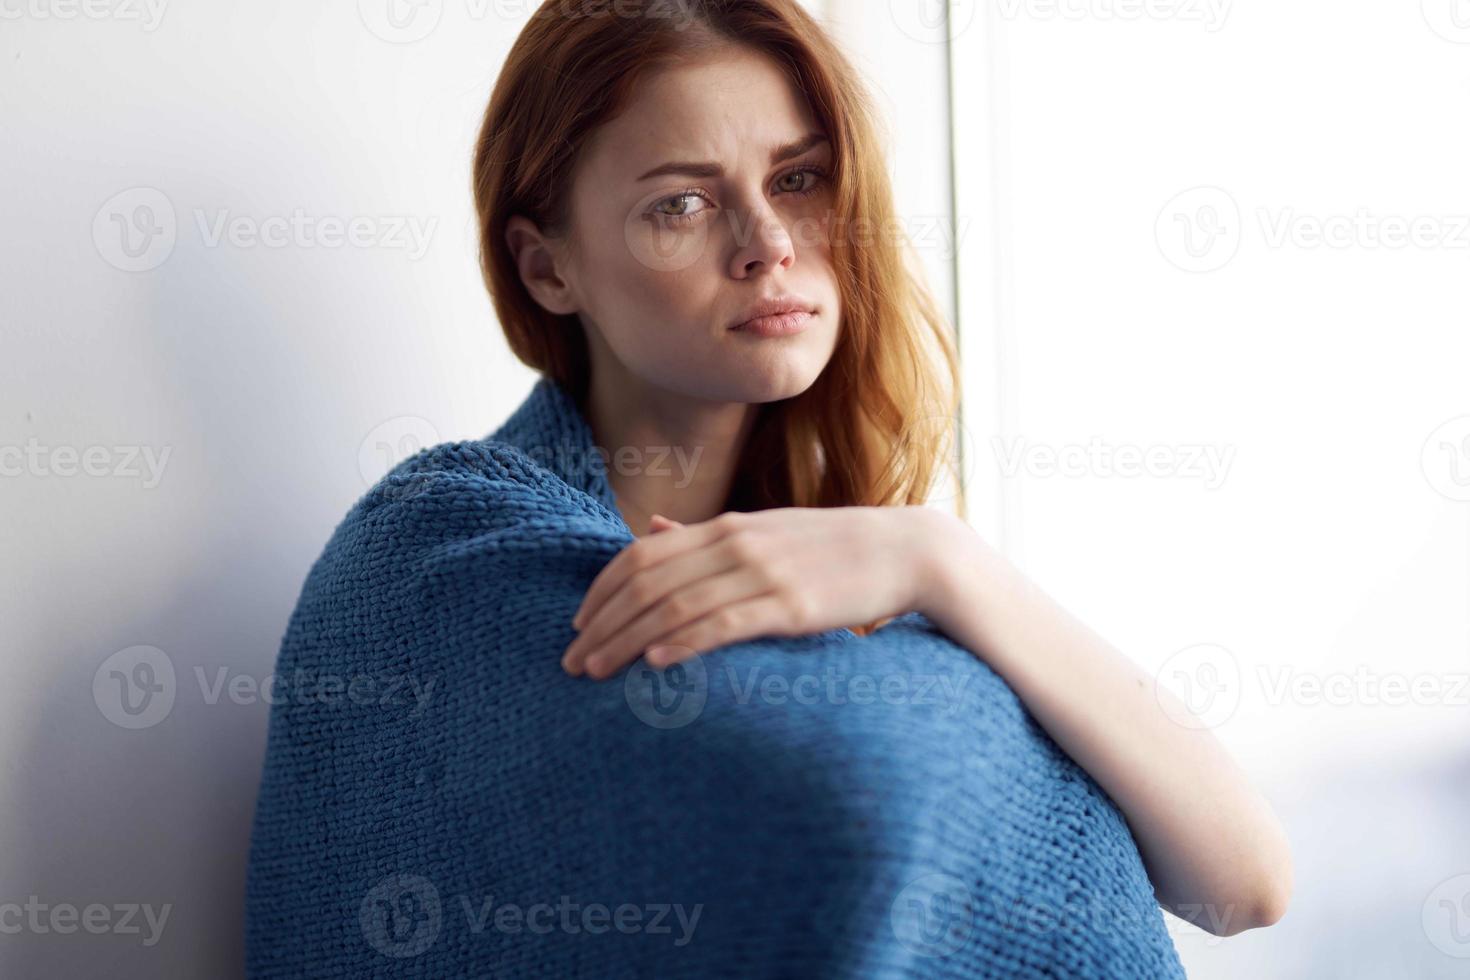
439,799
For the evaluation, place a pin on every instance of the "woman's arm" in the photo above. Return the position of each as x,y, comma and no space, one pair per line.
1214,850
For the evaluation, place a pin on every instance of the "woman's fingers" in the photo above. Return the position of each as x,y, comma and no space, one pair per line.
715,598
642,555
758,616
638,594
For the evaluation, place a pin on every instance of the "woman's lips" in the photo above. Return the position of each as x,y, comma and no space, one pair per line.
777,325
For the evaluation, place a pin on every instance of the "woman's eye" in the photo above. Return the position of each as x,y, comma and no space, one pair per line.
678,207
803,187
681,207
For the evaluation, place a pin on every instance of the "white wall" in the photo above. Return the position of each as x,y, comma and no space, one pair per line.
149,157
255,375
1332,549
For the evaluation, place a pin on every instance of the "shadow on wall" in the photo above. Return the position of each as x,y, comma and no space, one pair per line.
138,779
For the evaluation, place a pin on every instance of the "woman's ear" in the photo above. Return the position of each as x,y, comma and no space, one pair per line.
535,257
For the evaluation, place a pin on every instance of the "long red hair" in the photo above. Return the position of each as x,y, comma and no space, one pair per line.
878,423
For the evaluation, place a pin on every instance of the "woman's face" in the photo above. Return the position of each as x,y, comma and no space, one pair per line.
682,220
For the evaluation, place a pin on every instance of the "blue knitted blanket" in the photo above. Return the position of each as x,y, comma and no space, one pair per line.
440,800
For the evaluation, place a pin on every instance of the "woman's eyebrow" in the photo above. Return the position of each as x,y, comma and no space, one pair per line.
705,169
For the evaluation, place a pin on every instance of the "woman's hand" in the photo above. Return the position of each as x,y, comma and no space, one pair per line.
789,571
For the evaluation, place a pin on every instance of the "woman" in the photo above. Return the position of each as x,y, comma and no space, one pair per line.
676,235
685,229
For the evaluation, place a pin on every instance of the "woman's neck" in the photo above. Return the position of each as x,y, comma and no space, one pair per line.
668,453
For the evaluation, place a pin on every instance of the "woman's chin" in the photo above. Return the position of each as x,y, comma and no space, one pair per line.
775,380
